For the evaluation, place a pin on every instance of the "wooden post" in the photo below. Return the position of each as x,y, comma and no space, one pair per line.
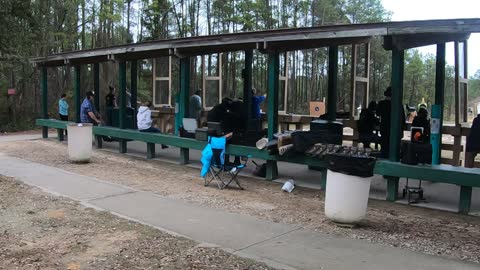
332,83
183,102
353,81
133,89
457,84
122,73
465,81
77,98
439,99
396,125
247,86
44,79
272,111
96,84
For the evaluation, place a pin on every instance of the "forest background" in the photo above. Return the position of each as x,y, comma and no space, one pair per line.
42,27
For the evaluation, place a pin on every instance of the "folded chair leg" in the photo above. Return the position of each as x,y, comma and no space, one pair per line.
215,175
233,177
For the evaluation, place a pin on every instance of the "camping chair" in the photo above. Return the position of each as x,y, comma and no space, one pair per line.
220,170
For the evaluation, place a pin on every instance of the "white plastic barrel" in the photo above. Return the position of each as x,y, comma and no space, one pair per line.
346,197
80,142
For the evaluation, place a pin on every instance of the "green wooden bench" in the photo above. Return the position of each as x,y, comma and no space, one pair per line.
185,144
466,178
60,126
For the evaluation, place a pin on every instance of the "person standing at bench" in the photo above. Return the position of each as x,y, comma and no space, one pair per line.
144,120
384,111
88,113
195,105
367,124
256,103
473,143
110,104
63,109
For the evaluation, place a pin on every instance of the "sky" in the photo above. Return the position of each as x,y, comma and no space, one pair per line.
405,10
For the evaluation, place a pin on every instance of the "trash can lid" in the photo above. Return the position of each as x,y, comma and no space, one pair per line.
80,124
361,166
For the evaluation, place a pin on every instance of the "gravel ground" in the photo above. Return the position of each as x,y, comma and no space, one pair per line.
46,232
424,230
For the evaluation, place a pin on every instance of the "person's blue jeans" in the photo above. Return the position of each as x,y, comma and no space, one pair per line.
151,129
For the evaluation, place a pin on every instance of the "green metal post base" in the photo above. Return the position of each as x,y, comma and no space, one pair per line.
61,138
150,150
323,180
122,146
465,199
99,142
272,170
45,132
392,188
184,156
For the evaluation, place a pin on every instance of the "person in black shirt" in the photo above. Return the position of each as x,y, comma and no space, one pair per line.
384,111
110,99
422,120
473,143
110,104
366,125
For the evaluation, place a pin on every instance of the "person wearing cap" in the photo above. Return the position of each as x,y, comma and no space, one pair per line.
384,111
88,113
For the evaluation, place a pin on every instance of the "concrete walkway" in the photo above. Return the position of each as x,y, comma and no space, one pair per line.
279,245
23,137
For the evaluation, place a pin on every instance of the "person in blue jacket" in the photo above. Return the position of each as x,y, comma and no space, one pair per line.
63,109
256,102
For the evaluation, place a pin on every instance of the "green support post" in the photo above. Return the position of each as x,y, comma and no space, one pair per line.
76,94
439,102
272,111
99,141
133,89
323,180
247,85
465,199
396,125
332,83
436,135
44,79
150,150
183,102
184,156
122,73
96,84
60,134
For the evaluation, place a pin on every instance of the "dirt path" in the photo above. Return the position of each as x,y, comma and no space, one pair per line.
424,230
45,232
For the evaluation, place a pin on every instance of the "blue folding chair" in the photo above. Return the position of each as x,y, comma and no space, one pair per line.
219,169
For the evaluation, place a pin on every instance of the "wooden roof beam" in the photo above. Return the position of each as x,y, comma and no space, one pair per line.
409,41
295,45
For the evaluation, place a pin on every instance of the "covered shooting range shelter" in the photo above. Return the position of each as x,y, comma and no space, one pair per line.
397,36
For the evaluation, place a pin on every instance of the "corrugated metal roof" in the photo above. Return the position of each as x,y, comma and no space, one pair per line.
270,40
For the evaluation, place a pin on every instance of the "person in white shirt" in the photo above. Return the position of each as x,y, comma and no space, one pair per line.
144,120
